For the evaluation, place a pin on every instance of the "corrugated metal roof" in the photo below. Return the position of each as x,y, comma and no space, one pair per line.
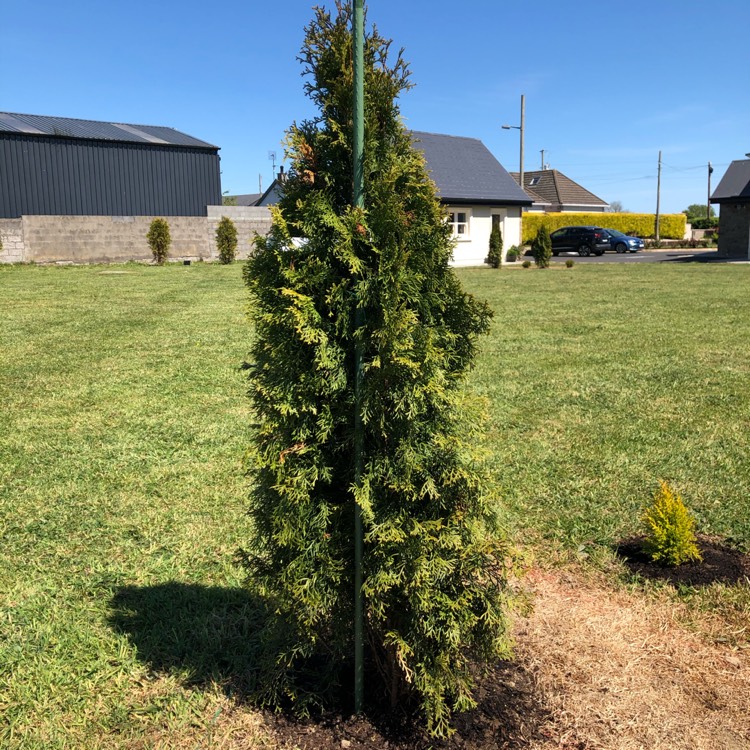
464,169
735,183
11,122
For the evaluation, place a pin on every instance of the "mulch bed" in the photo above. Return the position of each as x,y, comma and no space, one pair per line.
721,564
510,714
507,717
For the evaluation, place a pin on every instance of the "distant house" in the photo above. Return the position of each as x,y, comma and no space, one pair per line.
274,192
733,195
58,166
475,189
247,199
554,192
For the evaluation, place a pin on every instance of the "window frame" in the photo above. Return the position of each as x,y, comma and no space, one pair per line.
453,211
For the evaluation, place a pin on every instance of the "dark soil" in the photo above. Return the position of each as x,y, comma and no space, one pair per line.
721,564
507,717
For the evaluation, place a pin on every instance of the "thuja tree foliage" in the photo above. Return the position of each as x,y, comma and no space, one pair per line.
226,240
435,587
670,529
541,248
495,253
159,240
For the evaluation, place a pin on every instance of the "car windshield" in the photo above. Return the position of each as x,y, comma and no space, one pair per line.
616,233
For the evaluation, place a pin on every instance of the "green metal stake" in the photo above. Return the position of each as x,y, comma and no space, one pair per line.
359,322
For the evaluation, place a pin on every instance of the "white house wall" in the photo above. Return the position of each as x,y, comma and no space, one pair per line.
473,250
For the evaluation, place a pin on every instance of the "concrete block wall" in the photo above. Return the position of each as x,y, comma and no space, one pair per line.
107,239
118,239
11,236
249,220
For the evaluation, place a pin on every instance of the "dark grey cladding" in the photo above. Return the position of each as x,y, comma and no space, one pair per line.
64,167
735,184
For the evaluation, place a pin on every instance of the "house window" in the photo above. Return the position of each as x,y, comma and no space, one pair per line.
459,221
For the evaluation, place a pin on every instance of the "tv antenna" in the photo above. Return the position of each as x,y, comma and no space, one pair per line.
272,158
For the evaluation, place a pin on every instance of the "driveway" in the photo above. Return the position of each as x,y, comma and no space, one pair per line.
646,256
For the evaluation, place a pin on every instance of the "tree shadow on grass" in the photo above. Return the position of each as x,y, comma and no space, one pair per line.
210,632
212,635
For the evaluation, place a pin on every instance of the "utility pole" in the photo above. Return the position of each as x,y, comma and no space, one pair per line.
522,128
658,196
708,198
358,27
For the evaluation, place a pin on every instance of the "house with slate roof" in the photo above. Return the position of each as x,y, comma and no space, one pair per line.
477,192
733,195
554,192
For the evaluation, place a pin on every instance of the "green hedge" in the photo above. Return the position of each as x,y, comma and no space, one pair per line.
671,226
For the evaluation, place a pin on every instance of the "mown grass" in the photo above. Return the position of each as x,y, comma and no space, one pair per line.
122,431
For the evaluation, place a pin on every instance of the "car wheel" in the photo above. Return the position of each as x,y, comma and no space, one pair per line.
621,248
555,253
584,251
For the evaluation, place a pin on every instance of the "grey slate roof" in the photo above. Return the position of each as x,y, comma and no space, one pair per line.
556,189
67,127
247,199
735,184
465,171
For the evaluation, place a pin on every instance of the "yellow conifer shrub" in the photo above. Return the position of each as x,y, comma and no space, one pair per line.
670,529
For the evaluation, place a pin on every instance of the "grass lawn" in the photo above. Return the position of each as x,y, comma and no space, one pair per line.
122,431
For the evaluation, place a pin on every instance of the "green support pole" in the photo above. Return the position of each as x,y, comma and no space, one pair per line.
359,322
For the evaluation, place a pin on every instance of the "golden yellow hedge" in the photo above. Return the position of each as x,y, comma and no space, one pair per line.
671,226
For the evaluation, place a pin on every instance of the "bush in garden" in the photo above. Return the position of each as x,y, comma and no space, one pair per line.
526,264
435,562
495,254
226,240
670,529
541,248
159,240
513,253
569,263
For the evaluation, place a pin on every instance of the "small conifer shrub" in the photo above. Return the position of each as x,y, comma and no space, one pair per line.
226,240
159,240
670,529
526,264
495,254
569,263
541,247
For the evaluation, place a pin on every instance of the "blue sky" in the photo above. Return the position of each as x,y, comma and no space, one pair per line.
607,84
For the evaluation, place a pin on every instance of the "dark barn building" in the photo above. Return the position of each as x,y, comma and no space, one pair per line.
733,195
57,166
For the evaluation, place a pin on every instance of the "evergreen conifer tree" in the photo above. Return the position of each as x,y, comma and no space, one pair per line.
435,587
541,247
495,254
226,240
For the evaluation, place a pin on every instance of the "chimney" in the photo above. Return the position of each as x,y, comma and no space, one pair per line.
281,177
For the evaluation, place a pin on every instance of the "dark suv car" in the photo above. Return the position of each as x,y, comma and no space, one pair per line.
583,240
